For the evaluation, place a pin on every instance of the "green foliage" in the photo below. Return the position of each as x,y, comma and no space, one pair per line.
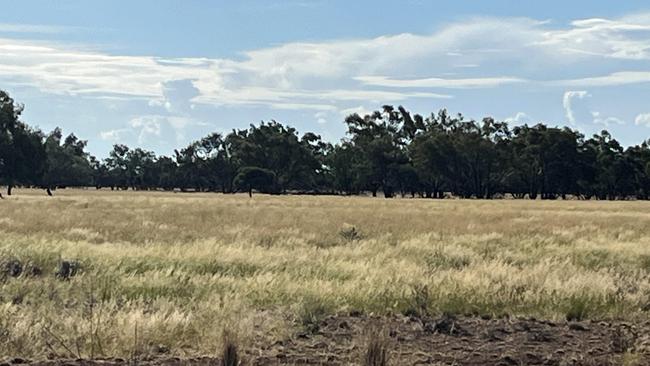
312,311
67,163
388,150
577,308
251,177
22,156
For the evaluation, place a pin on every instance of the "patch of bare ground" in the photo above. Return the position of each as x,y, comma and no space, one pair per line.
446,340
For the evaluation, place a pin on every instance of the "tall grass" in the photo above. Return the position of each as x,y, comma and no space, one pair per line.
184,267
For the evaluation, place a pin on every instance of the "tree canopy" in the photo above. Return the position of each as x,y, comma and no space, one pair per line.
389,150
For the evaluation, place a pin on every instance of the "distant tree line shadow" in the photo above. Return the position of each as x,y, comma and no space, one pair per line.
391,151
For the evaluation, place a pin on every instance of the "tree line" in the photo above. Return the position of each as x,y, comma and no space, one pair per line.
391,151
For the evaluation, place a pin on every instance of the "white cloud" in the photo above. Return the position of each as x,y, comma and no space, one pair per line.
329,75
606,121
615,38
112,135
360,110
148,126
567,102
438,82
34,28
617,78
467,66
642,119
519,118
155,126
321,117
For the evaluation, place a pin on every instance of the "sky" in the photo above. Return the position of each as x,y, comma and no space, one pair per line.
159,74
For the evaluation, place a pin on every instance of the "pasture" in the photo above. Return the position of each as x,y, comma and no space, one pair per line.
168,272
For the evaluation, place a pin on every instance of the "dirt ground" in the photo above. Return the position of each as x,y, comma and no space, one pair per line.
343,339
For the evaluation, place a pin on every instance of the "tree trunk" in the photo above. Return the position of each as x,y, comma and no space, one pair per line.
10,187
250,191
49,191
388,192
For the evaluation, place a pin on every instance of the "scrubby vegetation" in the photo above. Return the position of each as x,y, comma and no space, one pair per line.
164,273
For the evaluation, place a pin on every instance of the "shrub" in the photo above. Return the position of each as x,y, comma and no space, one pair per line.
350,233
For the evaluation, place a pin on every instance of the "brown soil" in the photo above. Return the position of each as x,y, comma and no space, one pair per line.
342,340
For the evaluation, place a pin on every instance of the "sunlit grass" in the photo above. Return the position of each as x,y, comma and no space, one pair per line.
165,272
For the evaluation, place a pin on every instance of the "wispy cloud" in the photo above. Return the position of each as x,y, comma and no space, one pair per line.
325,76
616,78
113,135
35,28
642,119
606,121
568,100
616,38
519,118
438,82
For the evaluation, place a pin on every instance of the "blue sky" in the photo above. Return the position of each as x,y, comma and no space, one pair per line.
159,74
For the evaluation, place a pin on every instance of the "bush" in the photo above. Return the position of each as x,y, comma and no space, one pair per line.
350,233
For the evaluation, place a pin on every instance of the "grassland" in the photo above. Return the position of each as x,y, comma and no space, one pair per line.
169,272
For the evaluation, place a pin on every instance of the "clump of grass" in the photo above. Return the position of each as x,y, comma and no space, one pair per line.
631,359
419,304
440,260
312,311
11,267
376,352
577,308
624,340
644,262
350,233
229,352
68,269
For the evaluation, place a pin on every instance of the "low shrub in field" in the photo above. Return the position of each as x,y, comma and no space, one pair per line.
419,304
577,308
350,233
312,311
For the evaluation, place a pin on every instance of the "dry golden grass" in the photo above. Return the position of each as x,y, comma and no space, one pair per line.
165,272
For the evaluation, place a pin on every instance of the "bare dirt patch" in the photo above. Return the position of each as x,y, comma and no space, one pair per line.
342,340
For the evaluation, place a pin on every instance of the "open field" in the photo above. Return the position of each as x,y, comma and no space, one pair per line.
165,273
